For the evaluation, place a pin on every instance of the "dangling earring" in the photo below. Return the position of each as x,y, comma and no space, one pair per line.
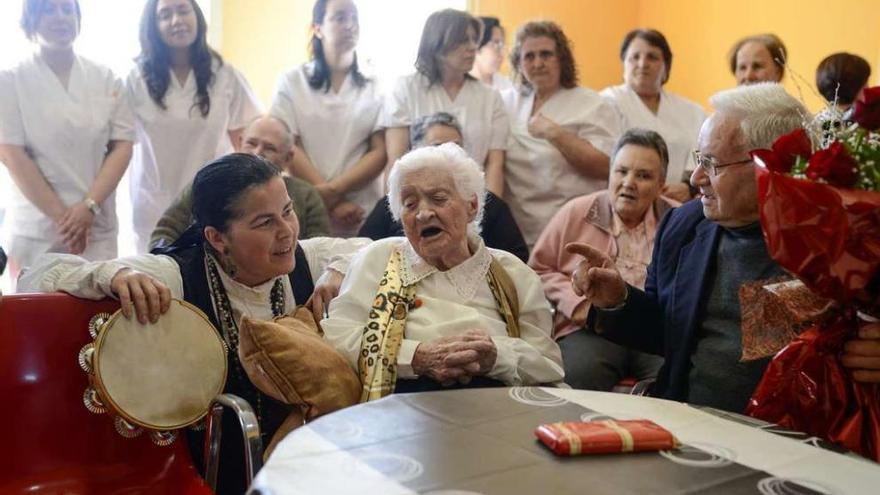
229,265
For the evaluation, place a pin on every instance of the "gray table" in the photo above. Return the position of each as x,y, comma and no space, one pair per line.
482,442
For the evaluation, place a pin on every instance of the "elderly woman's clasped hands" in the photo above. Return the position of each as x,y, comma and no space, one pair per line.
456,358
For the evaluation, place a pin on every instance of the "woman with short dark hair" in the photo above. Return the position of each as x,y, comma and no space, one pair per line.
758,58
841,77
442,83
490,56
562,133
330,96
642,102
190,106
66,136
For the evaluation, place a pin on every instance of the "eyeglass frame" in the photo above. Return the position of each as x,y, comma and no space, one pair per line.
713,172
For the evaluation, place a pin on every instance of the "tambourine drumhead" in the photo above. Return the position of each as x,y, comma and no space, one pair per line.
163,375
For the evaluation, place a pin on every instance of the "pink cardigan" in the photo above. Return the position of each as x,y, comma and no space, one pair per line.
587,219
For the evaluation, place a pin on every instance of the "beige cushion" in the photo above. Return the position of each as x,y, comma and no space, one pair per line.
288,360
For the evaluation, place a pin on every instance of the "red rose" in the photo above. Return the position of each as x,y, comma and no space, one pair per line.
867,109
785,151
834,165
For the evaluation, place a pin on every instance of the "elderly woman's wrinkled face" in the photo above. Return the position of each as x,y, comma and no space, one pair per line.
754,64
460,59
539,61
261,240
435,216
643,67
635,183
178,25
58,25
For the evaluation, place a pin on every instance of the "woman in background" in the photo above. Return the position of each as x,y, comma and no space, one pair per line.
642,102
190,107
442,83
562,133
332,110
490,56
66,137
758,58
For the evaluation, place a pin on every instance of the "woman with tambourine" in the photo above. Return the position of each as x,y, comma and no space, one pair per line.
240,258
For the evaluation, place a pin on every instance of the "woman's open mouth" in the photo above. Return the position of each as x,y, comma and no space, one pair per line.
430,232
284,252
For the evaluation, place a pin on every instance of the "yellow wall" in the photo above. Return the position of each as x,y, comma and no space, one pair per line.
265,37
702,31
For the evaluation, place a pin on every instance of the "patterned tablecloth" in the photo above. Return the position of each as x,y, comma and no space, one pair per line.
473,442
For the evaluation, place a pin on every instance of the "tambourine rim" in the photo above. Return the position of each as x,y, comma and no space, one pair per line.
114,408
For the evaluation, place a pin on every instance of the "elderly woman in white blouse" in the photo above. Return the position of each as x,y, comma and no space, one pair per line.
437,308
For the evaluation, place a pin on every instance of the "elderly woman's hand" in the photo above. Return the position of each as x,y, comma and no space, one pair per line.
455,358
543,128
142,293
862,354
325,290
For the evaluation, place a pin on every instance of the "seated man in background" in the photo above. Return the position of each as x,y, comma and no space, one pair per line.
621,222
267,137
704,251
499,229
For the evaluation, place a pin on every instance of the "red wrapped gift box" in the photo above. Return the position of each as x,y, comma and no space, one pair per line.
605,437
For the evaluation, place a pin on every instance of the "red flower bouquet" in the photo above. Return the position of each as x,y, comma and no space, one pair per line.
820,212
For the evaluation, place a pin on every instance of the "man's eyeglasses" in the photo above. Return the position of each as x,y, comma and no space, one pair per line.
711,165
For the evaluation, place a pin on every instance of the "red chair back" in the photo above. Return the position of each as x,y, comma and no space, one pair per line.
52,444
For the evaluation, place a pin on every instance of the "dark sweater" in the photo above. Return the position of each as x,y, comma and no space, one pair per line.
717,377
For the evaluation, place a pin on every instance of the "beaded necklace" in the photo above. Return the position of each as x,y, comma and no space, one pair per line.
227,321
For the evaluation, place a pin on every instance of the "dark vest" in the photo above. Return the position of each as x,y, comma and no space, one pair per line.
231,475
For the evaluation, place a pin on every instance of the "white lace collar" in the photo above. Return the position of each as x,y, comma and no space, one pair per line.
466,277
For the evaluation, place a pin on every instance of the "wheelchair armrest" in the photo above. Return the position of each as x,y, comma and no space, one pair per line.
250,430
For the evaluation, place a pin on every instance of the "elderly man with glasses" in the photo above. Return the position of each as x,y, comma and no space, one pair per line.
704,251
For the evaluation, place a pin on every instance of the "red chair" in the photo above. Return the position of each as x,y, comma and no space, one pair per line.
51,443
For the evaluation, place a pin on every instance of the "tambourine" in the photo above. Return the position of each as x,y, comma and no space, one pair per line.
159,377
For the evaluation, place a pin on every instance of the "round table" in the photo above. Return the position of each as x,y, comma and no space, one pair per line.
481,441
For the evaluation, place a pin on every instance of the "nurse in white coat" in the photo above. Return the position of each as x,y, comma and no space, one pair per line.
332,109
642,102
190,107
561,134
490,56
441,83
66,137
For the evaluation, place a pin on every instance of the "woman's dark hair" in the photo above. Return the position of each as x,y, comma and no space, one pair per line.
489,24
155,58
568,75
320,76
654,38
841,76
32,10
771,42
444,30
220,185
645,138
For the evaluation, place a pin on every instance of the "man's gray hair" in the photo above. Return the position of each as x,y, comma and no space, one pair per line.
288,135
450,158
419,128
766,110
